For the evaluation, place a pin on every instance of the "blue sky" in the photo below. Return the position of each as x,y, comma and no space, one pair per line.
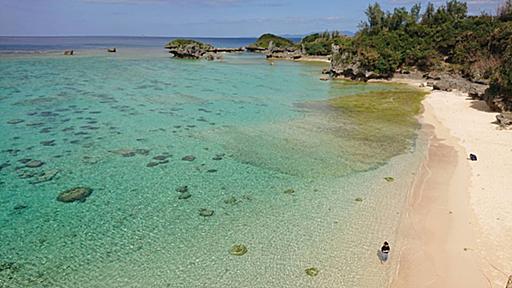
210,18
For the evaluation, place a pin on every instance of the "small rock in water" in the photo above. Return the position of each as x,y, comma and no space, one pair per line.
231,200
20,207
238,250
25,174
182,189
189,158
184,195
289,191
212,170
8,266
75,194
4,165
125,152
160,157
359,199
152,164
143,152
15,121
46,176
312,272
24,160
218,157
205,212
34,164
48,143
389,179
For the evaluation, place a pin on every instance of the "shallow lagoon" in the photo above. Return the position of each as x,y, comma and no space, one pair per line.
256,130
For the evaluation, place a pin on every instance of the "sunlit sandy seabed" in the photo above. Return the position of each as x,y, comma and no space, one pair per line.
255,130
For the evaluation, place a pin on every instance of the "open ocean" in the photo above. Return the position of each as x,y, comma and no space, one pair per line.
256,144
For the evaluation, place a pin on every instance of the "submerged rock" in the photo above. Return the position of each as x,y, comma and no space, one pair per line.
75,194
143,152
289,191
238,250
8,266
182,189
46,176
188,158
20,207
359,199
218,157
160,157
231,200
312,272
4,165
152,164
34,164
125,152
389,179
15,121
184,195
48,143
205,212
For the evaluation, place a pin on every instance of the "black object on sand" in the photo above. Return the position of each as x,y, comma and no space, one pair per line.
473,157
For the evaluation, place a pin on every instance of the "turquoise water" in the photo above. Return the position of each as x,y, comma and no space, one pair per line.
255,130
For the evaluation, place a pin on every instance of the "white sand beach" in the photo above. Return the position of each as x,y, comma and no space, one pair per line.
457,227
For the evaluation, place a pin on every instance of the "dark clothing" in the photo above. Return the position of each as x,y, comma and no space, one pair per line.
384,253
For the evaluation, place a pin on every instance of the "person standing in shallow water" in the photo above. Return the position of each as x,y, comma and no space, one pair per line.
384,252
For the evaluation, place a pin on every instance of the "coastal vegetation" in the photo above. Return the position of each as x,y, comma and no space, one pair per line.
321,43
446,38
182,43
278,42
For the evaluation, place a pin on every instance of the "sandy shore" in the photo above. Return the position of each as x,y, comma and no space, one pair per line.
457,226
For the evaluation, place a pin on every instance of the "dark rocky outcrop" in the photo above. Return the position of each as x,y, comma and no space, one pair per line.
347,65
498,101
75,194
191,49
188,49
448,82
112,50
509,283
69,52
504,120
